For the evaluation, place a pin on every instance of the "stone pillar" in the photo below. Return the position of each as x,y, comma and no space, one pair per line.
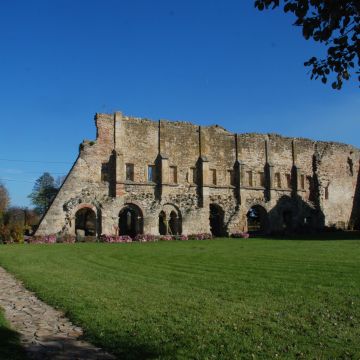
203,181
119,178
117,130
119,173
269,180
164,169
237,180
162,175
295,174
269,173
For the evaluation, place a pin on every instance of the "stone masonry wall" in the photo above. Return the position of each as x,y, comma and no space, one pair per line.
299,183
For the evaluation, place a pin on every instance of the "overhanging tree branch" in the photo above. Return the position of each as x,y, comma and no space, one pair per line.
336,23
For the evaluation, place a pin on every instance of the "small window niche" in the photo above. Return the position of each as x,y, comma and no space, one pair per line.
192,176
213,176
173,174
249,177
288,181
262,179
151,173
105,172
277,180
302,182
129,170
327,192
231,177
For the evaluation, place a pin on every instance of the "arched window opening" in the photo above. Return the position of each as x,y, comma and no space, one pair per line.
170,220
130,221
174,224
257,220
162,223
85,222
216,219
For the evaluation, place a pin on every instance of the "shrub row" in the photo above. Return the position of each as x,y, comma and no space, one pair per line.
242,235
69,239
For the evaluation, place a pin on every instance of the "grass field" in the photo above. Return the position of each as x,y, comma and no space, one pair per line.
216,299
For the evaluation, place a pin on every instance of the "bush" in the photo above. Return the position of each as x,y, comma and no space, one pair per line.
146,238
165,237
46,239
4,234
240,235
11,233
66,239
201,236
115,238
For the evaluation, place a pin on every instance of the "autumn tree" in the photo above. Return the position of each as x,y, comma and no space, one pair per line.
335,23
4,200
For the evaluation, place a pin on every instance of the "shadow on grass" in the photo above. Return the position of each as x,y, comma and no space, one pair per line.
325,236
10,348
52,347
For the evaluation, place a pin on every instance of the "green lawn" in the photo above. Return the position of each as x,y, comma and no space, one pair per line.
216,299
10,348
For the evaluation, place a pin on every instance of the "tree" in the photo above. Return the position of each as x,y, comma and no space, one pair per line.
4,200
336,23
43,192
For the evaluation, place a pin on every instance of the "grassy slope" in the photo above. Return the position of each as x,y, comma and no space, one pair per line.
218,299
10,348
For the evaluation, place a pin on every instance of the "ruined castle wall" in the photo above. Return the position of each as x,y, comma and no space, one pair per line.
304,161
139,145
218,145
281,157
338,167
84,184
303,178
180,143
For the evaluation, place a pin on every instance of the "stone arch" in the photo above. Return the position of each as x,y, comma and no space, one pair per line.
162,223
170,220
131,220
86,222
216,219
257,219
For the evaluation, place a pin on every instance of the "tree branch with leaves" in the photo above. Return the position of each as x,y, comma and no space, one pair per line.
335,23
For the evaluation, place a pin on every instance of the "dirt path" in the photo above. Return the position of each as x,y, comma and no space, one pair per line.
44,332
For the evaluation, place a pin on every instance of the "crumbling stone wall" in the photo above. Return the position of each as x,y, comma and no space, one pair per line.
301,184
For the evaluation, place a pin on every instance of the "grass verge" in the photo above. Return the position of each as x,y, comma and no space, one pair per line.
217,299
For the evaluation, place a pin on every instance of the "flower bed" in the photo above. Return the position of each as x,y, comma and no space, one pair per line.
48,239
240,235
201,236
115,238
70,239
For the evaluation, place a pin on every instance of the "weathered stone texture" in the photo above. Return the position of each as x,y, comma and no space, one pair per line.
297,183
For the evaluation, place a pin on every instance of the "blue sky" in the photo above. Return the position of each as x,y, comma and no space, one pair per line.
208,62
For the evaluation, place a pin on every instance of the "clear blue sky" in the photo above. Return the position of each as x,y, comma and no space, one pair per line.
208,62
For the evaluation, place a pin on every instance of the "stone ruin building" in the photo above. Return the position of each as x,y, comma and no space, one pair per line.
164,177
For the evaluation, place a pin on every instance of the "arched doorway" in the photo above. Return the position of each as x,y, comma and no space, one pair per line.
85,222
162,223
216,218
130,220
257,220
288,219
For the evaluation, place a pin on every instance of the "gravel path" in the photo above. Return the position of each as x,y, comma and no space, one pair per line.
44,332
